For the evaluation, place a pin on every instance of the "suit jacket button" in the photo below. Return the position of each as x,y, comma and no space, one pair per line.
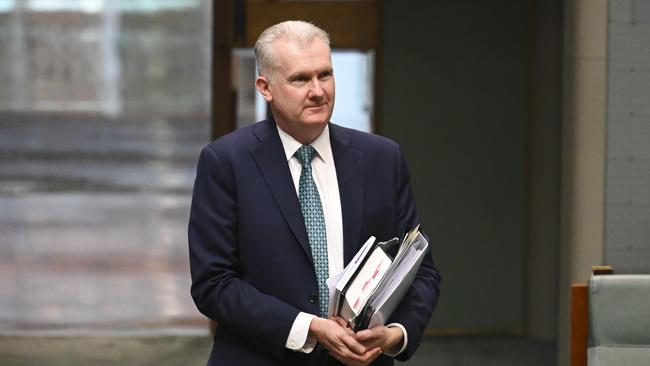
313,298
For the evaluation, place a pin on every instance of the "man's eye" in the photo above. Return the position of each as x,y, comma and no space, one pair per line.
325,75
299,80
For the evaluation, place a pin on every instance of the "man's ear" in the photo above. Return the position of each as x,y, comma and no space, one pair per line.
263,86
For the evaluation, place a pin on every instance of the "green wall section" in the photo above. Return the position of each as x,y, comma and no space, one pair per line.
453,95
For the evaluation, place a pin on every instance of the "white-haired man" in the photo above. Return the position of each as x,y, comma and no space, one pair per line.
280,205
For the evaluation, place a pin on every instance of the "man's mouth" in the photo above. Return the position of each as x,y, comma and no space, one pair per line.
317,106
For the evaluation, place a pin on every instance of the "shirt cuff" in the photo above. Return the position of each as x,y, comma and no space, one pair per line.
298,339
405,340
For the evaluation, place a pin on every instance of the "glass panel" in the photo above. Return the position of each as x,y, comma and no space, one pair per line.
7,5
353,72
90,6
102,116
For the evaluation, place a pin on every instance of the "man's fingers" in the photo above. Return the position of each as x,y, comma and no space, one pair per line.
371,337
374,353
347,356
343,324
343,343
359,360
353,344
351,332
364,335
347,350
339,321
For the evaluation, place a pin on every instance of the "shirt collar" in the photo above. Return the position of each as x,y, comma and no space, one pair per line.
321,144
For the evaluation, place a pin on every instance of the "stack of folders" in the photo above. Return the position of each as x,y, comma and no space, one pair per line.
369,289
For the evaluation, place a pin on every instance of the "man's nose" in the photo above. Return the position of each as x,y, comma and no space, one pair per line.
315,89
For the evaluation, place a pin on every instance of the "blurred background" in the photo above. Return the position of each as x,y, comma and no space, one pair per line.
526,125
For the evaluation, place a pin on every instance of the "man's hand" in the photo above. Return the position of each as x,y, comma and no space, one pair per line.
341,342
388,339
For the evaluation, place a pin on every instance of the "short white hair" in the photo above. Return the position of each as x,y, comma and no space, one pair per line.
297,31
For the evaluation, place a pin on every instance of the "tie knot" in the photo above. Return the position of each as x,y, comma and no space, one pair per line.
305,154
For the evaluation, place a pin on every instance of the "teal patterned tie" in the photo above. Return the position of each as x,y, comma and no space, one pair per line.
312,212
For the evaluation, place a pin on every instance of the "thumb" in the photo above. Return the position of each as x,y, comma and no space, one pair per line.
364,335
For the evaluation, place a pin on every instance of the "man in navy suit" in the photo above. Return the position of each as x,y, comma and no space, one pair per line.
257,268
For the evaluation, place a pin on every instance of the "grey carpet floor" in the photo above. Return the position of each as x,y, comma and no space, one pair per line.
194,350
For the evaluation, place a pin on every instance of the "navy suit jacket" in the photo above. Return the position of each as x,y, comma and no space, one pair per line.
250,259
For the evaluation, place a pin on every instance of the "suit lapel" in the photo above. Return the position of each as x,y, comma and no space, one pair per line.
349,172
270,158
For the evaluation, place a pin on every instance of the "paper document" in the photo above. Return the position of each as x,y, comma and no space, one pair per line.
372,285
337,282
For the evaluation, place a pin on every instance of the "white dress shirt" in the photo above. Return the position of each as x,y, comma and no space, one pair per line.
324,175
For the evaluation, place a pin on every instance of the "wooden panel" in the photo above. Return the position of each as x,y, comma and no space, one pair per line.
351,24
579,324
223,94
602,270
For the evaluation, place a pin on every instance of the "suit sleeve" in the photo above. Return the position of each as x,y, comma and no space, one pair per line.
416,308
217,287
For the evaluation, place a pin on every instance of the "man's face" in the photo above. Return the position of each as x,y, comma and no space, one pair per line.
301,88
